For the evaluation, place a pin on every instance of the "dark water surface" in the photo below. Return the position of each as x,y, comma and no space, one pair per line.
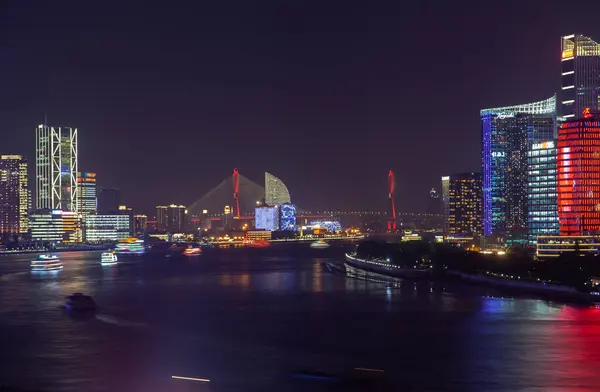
247,318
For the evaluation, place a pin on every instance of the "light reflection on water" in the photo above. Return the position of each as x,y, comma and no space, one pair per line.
245,318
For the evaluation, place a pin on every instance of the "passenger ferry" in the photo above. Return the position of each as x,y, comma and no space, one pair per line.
45,263
108,258
191,251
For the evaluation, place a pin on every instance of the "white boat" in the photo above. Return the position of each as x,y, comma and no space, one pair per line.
319,244
45,263
108,258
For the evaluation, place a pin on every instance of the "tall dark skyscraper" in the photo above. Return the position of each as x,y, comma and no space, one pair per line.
171,218
14,195
464,204
580,69
108,200
507,134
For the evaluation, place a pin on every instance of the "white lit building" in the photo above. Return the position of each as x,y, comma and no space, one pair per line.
266,218
104,228
275,191
56,168
55,226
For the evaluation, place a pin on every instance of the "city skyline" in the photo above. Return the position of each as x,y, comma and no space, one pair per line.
247,113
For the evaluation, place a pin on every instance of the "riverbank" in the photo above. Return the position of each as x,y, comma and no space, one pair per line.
380,271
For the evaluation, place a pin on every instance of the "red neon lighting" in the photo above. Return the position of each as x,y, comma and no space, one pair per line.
587,113
391,189
578,187
236,189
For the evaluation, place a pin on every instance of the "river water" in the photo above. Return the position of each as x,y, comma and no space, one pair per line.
248,318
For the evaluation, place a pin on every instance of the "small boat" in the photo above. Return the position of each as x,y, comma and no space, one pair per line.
108,258
80,302
320,244
192,251
45,263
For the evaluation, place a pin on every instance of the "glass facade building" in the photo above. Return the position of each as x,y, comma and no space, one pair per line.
464,204
578,165
56,168
14,194
542,208
55,226
507,133
103,228
87,200
580,76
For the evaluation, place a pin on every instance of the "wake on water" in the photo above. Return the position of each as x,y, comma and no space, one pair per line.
117,321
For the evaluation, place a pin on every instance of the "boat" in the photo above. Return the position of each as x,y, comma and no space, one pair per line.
80,302
320,244
45,263
108,258
384,266
192,251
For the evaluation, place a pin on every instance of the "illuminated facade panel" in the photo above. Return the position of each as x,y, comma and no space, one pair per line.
266,218
275,191
55,226
287,217
506,134
56,168
464,204
542,207
14,195
580,76
87,200
103,228
578,165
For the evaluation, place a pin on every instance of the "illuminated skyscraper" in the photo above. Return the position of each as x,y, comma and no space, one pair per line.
507,133
275,191
542,207
87,201
445,200
580,76
56,168
578,165
14,195
464,204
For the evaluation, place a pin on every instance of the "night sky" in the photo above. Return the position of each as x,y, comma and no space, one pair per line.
325,95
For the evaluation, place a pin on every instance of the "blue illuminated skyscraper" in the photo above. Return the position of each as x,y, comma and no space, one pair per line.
507,135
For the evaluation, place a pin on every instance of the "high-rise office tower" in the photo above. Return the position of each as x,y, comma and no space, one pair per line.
87,201
56,168
14,195
578,165
109,200
464,204
507,133
580,76
542,207
171,218
445,200
139,224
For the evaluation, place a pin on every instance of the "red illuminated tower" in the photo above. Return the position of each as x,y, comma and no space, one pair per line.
578,167
236,189
391,186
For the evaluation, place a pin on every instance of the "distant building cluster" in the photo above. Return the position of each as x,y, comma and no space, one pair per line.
540,162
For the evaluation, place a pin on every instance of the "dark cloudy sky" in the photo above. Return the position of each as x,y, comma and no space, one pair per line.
169,97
